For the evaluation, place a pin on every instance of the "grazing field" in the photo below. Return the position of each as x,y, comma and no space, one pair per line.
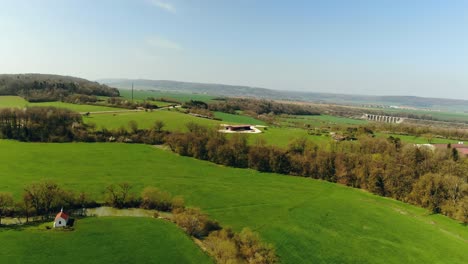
308,221
418,140
12,101
177,121
173,120
320,120
16,101
182,97
101,240
238,119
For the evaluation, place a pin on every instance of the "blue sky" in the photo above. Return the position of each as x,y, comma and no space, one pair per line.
383,47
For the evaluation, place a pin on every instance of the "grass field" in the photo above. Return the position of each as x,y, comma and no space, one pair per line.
320,120
16,101
308,221
176,121
417,140
238,119
173,120
182,97
101,240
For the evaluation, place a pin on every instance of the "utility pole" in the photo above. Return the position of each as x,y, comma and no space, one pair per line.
132,92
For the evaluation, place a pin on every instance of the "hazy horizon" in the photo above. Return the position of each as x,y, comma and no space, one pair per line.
342,47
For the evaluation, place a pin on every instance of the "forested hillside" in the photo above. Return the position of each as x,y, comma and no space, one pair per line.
45,87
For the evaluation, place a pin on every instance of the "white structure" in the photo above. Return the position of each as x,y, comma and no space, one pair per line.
61,219
240,129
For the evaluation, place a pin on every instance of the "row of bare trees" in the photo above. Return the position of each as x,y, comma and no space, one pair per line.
42,199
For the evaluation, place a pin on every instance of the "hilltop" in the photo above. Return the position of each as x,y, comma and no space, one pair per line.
247,91
47,87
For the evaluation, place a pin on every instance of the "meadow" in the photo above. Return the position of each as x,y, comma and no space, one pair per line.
16,101
101,240
177,121
238,119
182,97
173,120
418,140
320,120
308,221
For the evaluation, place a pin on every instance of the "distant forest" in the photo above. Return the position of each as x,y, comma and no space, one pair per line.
44,87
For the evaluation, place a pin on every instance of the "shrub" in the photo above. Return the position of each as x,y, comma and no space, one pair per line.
194,222
153,198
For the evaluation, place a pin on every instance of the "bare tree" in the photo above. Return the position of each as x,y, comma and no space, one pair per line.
6,202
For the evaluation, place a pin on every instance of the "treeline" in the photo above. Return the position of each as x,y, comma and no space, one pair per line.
44,124
42,87
41,200
261,107
436,180
125,103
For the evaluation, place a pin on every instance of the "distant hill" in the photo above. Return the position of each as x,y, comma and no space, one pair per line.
246,91
45,87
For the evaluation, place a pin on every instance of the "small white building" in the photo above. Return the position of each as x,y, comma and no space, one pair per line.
61,220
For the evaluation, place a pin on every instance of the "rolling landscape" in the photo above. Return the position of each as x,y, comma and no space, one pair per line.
233,132
331,221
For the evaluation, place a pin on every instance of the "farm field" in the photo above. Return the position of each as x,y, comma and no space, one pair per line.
176,121
182,97
16,101
238,119
308,221
321,120
417,140
173,120
101,240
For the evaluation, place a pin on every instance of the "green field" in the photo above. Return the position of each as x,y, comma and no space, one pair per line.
308,221
417,140
101,240
16,101
177,121
320,120
173,120
238,119
182,97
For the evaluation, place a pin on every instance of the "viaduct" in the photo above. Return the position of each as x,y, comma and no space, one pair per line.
383,119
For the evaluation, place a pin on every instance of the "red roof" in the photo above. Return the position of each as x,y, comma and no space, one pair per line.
61,215
463,151
462,148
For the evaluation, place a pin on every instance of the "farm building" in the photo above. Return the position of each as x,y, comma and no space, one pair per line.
61,220
237,128
251,129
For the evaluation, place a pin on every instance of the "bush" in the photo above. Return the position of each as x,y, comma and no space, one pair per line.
153,198
227,247
194,222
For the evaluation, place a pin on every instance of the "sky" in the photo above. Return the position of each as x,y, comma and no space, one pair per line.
376,47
